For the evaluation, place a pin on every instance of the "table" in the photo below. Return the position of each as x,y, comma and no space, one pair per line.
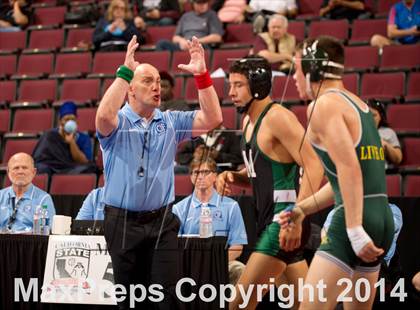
23,256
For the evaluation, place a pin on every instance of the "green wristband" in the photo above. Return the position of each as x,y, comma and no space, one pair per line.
125,73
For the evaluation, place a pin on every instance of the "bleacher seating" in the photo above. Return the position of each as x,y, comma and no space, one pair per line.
49,63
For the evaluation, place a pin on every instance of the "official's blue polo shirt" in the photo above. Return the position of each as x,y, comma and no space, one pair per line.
26,205
405,18
93,206
123,156
226,217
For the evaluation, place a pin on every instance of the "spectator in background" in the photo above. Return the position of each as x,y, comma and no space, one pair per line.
168,102
201,22
225,212
116,28
342,9
220,144
64,149
262,9
18,201
403,25
93,207
276,45
156,13
14,15
390,143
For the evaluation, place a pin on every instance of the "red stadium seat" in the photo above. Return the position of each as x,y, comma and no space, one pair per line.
86,119
309,8
183,57
412,186
156,33
105,64
183,185
40,180
13,146
7,65
382,85
398,57
101,181
34,66
361,58
12,41
7,91
72,65
46,40
99,160
4,121
411,152
239,34
300,112
49,16
384,6
66,184
413,89
364,29
297,29
351,82
80,90
404,117
32,120
393,185
37,91
159,59
224,58
78,38
283,92
335,28
229,117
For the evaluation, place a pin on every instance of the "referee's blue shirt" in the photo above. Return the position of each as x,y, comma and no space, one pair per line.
125,153
26,206
226,217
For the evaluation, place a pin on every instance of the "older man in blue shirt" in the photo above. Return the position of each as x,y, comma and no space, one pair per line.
18,201
225,213
139,144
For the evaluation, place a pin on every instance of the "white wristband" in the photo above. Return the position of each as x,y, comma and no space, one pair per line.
358,238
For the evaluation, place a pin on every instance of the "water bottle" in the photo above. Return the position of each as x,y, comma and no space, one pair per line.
206,226
36,230
44,221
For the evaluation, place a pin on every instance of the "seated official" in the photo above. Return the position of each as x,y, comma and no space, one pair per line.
93,207
64,149
225,212
19,201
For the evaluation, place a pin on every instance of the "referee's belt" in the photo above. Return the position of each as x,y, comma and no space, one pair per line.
142,216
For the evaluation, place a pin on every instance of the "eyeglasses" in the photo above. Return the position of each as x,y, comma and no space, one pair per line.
202,172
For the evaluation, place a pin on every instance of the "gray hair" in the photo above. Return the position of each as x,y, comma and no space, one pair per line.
278,17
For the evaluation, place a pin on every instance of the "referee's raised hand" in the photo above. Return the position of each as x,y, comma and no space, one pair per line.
129,61
197,63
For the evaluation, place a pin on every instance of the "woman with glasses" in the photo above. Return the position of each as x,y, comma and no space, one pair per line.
116,28
390,143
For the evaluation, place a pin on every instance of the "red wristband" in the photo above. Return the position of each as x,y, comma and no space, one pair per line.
203,80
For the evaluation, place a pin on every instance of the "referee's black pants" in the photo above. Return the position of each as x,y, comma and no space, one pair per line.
143,249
